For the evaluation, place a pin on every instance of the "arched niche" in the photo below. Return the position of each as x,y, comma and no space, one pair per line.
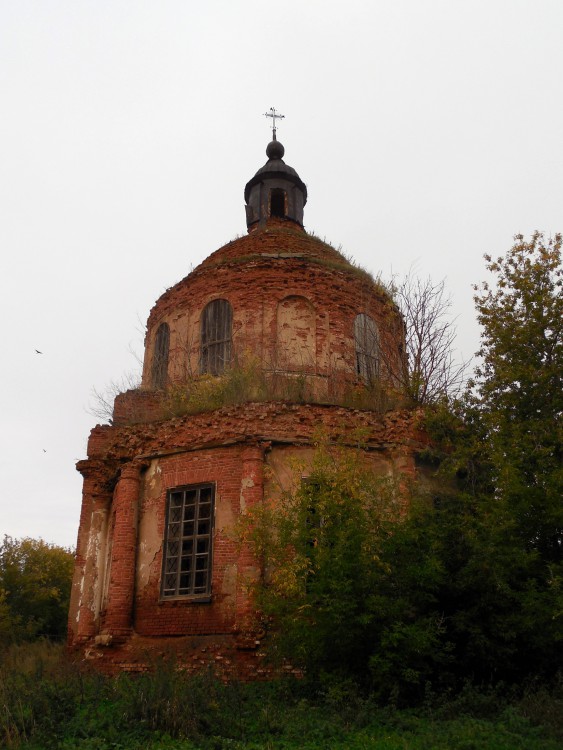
296,334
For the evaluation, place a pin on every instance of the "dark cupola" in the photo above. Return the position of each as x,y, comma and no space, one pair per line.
275,191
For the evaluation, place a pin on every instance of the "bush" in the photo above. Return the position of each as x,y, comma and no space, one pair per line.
49,703
321,544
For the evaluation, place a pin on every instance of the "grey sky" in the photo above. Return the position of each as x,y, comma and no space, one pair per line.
428,133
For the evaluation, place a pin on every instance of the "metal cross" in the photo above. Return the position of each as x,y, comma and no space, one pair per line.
273,114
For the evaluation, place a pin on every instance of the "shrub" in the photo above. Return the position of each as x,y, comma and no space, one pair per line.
321,545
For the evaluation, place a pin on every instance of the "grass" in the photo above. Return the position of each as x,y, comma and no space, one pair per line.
334,259
248,382
50,703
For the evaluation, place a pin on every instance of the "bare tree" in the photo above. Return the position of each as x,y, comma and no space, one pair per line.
102,403
430,369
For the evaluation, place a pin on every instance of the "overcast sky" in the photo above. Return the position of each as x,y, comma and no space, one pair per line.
428,133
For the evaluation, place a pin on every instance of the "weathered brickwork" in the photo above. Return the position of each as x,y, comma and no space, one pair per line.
224,467
294,301
293,307
130,469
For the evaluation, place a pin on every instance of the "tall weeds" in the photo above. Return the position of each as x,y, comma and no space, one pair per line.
250,382
38,689
50,703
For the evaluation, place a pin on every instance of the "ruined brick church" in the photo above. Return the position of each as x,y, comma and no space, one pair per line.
157,563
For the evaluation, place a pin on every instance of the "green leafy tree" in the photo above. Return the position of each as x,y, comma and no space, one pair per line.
517,402
518,388
503,596
320,544
467,583
35,581
351,582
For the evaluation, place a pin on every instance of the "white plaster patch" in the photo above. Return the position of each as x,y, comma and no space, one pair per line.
149,546
246,484
80,595
153,474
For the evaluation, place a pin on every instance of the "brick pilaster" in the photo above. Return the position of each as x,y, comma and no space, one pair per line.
90,549
252,492
121,590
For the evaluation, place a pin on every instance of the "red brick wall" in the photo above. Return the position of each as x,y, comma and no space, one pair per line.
229,447
283,422
137,407
255,273
214,447
143,456
152,616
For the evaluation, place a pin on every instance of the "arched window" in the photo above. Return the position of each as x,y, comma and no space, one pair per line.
277,202
366,337
216,337
159,371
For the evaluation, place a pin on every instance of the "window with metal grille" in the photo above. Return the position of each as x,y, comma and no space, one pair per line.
159,371
186,565
366,337
216,337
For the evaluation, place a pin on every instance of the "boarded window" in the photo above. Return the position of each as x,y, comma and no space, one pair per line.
159,371
296,334
216,337
366,337
186,564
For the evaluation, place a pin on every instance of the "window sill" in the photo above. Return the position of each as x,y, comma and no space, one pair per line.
189,599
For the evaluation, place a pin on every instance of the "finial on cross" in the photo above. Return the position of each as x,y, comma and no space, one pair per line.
273,114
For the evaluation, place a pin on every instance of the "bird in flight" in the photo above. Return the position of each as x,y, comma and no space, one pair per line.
38,352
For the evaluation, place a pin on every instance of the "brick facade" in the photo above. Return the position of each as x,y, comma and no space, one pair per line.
294,302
